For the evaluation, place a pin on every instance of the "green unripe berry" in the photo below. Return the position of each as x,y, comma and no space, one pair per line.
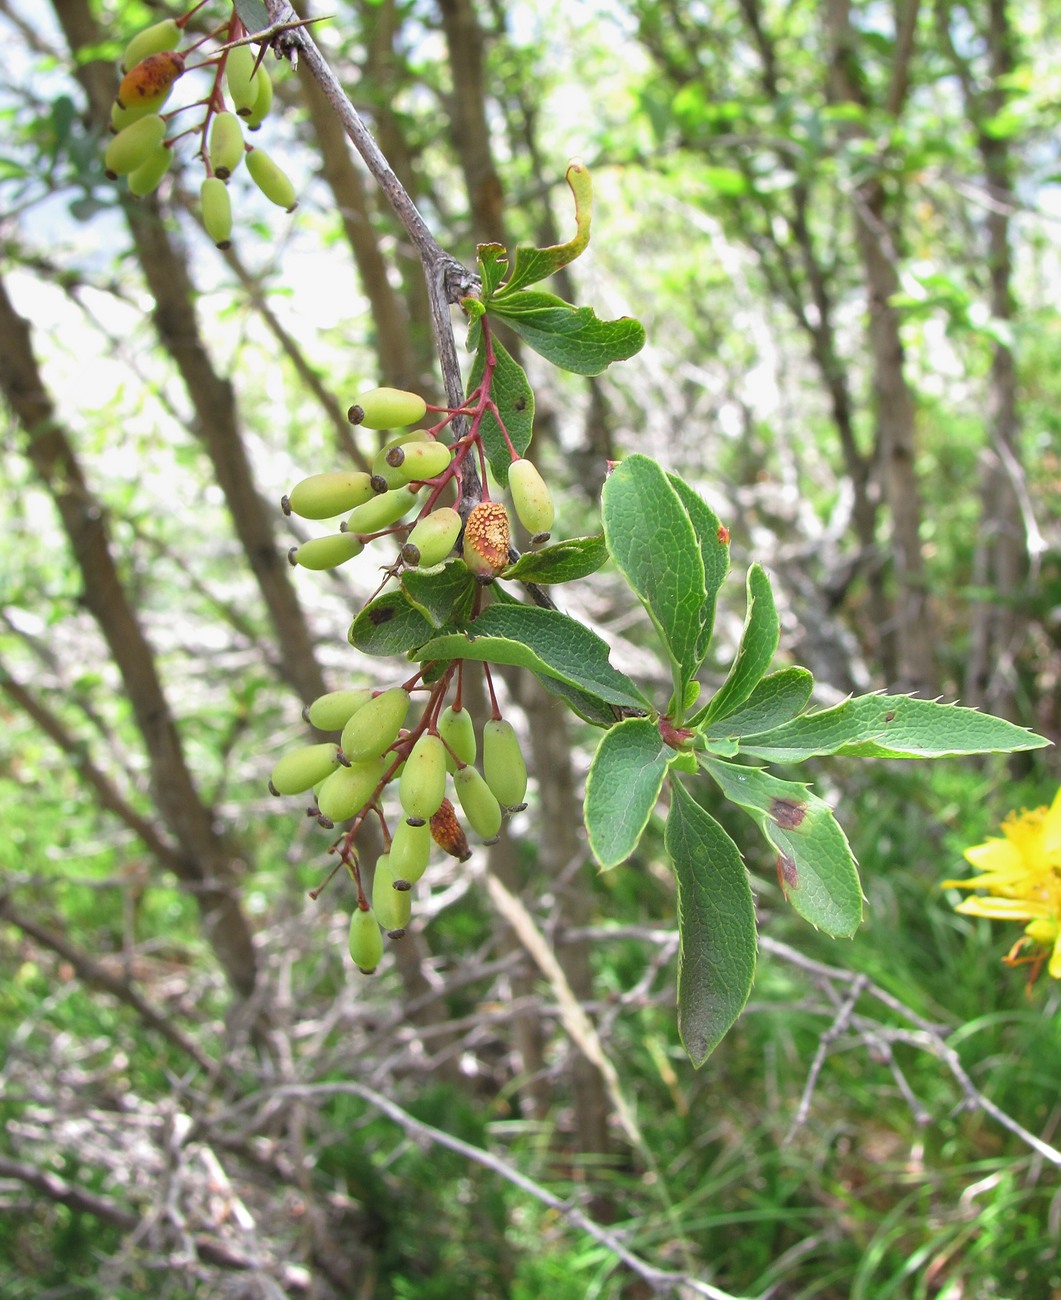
322,496
432,539
217,212
226,144
393,907
333,711
480,805
531,499
417,462
134,145
375,726
272,180
423,781
325,552
410,851
458,731
381,465
264,100
348,789
503,765
148,176
304,768
366,942
383,510
240,78
123,117
155,39
387,408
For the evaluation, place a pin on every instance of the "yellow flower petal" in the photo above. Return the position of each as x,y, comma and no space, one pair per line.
1052,827
996,855
1004,909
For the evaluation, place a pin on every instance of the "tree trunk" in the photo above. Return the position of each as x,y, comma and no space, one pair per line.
212,397
894,404
204,863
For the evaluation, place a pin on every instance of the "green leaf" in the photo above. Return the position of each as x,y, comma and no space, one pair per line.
574,338
890,726
533,264
713,540
776,699
493,263
566,561
514,399
545,641
816,867
762,631
623,785
442,597
389,625
652,540
253,15
716,925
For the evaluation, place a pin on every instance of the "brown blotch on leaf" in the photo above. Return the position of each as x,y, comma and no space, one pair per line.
787,875
787,813
377,617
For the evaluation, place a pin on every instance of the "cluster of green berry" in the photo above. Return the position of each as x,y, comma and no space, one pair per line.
142,148
379,500
375,748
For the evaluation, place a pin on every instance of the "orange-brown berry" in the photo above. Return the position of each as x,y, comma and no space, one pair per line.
486,537
448,833
150,81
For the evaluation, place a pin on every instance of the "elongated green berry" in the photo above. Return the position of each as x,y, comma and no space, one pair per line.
333,711
480,805
325,552
263,101
148,176
410,851
432,539
226,144
155,39
382,469
304,768
272,180
458,731
423,781
417,462
375,726
240,78
379,461
503,765
134,145
348,789
486,538
385,509
123,117
393,907
366,941
387,408
321,496
217,215
151,81
531,499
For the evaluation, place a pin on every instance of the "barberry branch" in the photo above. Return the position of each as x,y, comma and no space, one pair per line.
448,281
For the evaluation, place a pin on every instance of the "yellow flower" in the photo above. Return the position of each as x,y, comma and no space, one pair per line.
1022,876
